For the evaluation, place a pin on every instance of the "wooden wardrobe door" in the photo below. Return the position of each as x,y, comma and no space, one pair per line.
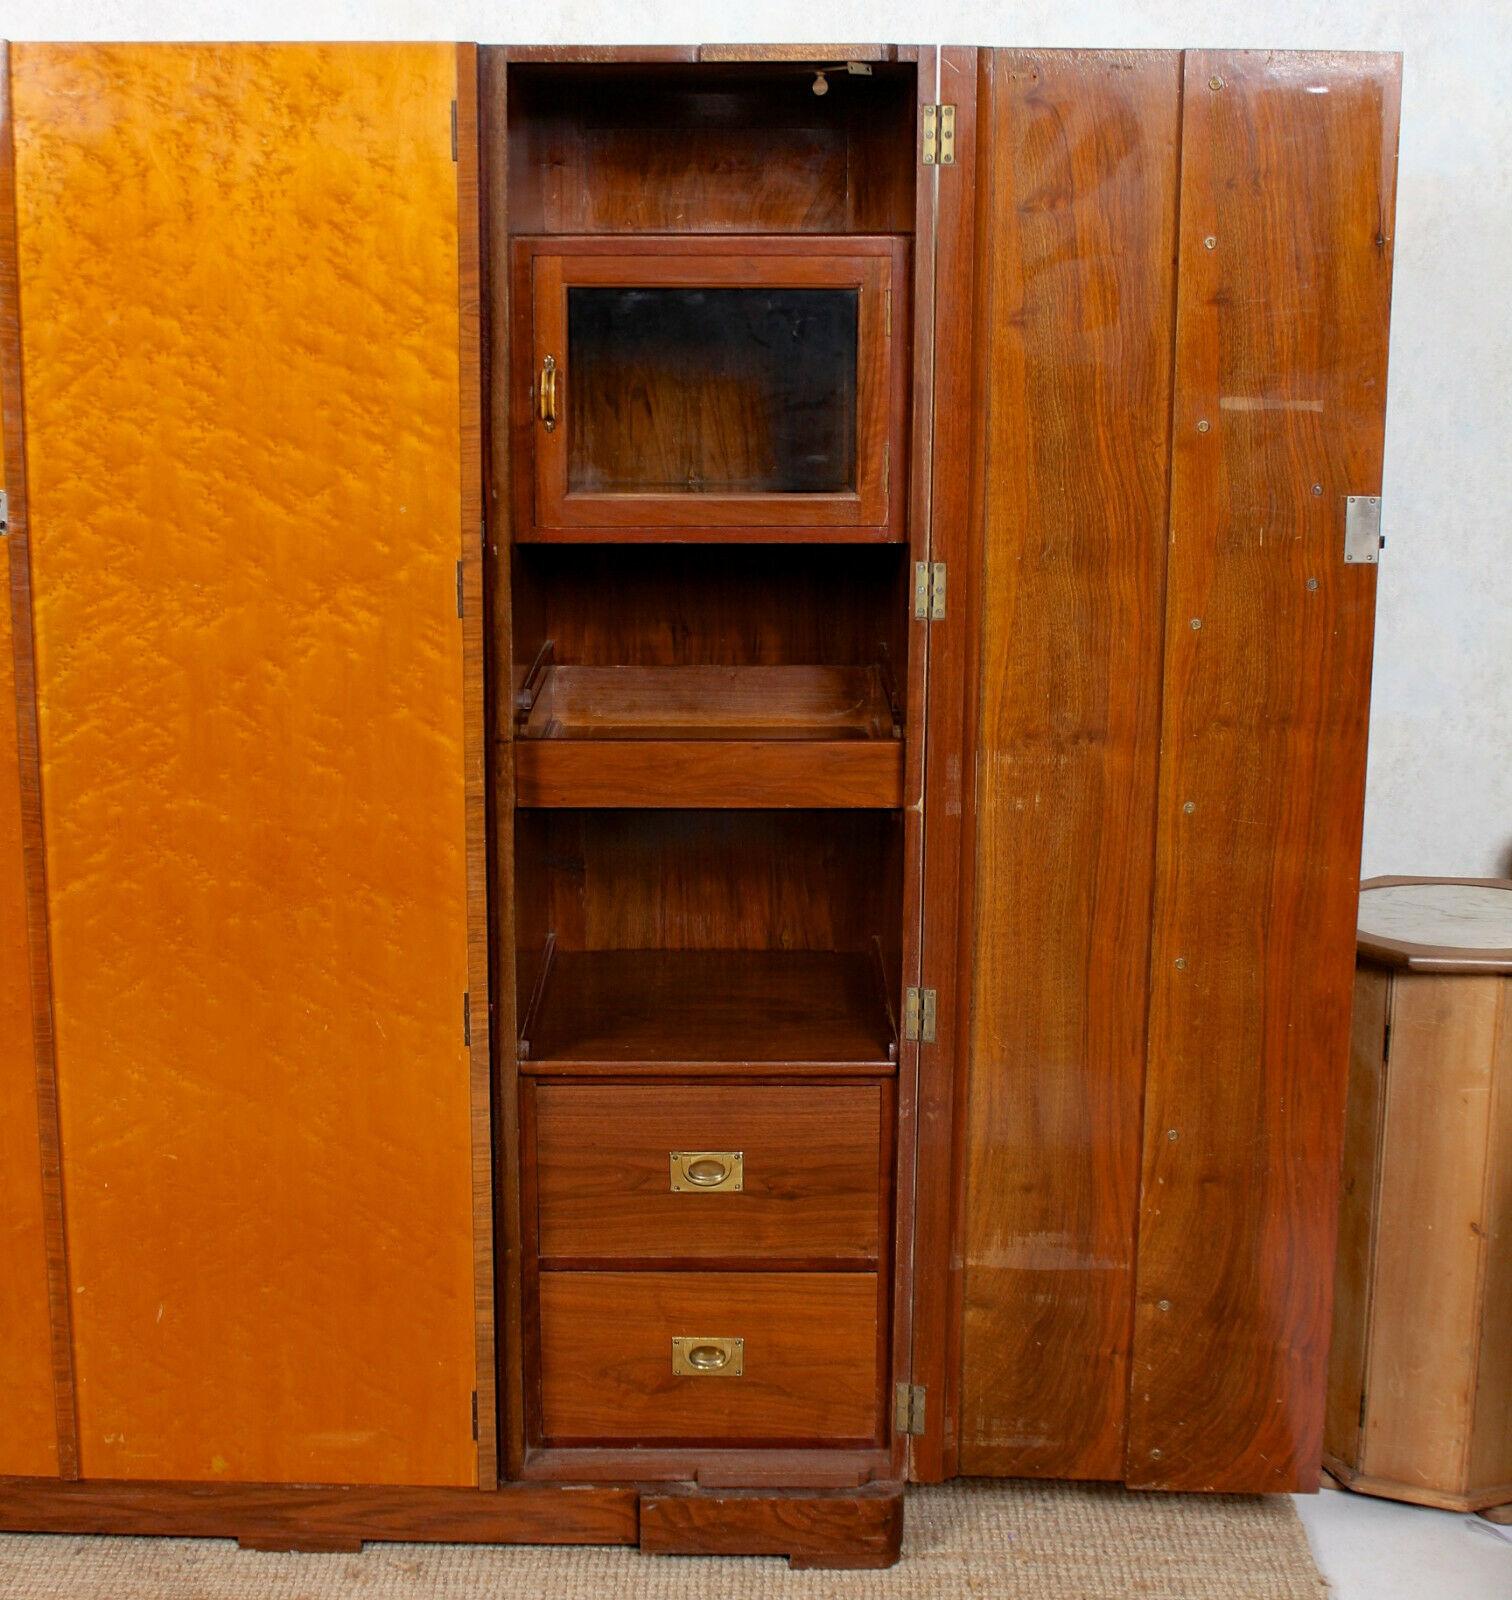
239,292
1076,191
29,1434
1288,187
1145,1053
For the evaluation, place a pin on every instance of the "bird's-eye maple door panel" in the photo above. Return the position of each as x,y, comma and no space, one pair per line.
239,308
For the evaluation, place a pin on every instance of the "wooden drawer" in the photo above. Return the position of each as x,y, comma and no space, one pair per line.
810,1178
808,1354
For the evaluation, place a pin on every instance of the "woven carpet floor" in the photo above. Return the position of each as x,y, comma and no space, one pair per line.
975,1539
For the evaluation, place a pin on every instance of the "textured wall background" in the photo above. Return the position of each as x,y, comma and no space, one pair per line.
1440,796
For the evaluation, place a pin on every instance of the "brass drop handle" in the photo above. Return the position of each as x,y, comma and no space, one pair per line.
706,1171
696,1356
546,394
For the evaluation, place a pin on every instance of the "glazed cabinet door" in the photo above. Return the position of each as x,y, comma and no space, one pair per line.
237,365
704,387
1181,290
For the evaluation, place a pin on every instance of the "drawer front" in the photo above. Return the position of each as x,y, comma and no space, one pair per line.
709,1357
807,1185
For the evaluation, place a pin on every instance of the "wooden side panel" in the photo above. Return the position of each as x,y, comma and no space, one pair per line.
1491,1443
1079,195
239,297
1430,1256
1366,1108
1287,197
28,1434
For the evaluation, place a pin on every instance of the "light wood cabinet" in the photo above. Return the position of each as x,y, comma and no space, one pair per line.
690,729
1420,1378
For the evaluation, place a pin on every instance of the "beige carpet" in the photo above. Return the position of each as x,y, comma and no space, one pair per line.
976,1539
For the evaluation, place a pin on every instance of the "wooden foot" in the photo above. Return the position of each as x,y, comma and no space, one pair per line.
832,1528
1499,1514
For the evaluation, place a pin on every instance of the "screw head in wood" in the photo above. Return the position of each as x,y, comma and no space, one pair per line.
1317,488
1196,622
1204,425
1215,82
1163,1305
1181,963
1190,807
1211,242
1312,583
1172,1135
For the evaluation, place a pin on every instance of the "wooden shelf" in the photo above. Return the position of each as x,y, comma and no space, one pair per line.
758,736
708,703
611,1011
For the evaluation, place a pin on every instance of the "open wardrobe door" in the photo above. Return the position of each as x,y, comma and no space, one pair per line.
1142,846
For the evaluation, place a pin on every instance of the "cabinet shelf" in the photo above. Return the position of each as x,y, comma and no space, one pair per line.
611,1011
759,736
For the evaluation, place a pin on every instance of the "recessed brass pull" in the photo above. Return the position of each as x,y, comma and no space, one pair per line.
546,393
705,1357
706,1171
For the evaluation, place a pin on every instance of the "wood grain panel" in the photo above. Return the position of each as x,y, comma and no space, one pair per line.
1357,1213
739,773
285,1517
29,1432
831,1529
240,292
1078,200
1430,1260
1490,1455
809,1184
810,1356
1287,198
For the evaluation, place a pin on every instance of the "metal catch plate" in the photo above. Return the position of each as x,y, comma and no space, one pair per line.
1362,529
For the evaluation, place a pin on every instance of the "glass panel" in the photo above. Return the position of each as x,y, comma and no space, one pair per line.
711,391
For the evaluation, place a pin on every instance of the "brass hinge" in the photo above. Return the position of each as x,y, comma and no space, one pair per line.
929,591
939,136
4,512
467,1019
454,129
1362,1408
908,1408
919,1015
475,1415
461,603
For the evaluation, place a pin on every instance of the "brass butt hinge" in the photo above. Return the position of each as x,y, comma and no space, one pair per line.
920,1015
929,591
467,1019
908,1408
461,601
4,512
475,1416
939,136
454,129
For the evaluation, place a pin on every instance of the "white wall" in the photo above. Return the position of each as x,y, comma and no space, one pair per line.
1440,796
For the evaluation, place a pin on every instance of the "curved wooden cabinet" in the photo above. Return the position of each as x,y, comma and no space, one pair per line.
685,779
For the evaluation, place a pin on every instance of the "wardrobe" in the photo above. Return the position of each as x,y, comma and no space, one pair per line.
683,736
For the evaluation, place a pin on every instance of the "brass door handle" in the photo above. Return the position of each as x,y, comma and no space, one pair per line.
706,1171
703,1357
546,394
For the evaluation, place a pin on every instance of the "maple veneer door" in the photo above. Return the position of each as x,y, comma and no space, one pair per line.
29,1434
239,295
